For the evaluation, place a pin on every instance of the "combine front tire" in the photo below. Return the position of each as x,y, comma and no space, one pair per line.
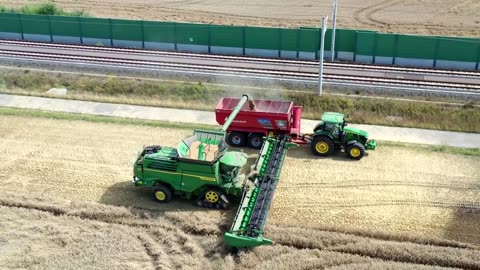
355,151
213,198
162,194
322,146
255,140
237,139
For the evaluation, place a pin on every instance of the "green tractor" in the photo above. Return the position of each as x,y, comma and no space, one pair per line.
332,134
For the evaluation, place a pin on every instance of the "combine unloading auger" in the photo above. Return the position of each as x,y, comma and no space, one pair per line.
259,187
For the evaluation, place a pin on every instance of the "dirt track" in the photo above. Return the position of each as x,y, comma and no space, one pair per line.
72,178
439,17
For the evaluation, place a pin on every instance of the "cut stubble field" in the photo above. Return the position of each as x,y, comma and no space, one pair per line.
66,201
439,17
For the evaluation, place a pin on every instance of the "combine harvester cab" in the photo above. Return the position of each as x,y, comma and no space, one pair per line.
259,188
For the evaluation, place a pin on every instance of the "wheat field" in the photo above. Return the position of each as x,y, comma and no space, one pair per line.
67,202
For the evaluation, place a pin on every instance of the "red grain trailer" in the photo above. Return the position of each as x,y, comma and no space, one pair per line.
267,117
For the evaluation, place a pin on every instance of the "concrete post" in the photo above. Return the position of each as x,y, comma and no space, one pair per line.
322,45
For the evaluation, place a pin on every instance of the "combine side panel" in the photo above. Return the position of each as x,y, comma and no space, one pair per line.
247,228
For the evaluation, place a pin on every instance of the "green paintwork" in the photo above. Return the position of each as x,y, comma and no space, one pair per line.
333,125
237,159
189,176
333,117
236,236
356,131
371,145
356,42
235,240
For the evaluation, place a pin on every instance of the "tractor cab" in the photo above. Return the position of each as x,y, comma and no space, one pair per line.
332,123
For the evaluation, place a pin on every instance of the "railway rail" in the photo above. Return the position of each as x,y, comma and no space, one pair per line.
418,79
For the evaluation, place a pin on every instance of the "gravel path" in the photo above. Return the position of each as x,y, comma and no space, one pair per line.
408,135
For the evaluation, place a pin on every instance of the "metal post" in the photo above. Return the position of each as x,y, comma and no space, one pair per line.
334,28
322,43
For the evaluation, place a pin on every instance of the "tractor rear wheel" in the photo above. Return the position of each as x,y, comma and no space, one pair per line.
355,151
255,140
237,139
162,194
322,146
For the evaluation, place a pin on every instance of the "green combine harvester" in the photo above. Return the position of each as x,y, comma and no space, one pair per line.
201,169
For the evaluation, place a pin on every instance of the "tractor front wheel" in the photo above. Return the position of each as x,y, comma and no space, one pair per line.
237,139
162,194
355,151
322,146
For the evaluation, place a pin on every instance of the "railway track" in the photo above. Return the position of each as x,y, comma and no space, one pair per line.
426,80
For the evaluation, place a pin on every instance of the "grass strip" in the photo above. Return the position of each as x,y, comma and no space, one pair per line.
128,121
200,96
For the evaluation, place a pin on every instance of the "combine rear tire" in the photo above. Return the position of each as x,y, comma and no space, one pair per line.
162,194
255,140
237,139
322,146
355,151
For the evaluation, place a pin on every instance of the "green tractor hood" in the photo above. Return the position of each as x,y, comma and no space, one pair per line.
356,131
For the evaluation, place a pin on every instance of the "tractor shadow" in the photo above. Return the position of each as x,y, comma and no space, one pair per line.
304,153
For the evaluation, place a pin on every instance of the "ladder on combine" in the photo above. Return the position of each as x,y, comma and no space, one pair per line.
247,228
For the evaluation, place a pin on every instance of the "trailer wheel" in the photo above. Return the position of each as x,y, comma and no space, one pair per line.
322,146
355,151
255,140
162,194
237,139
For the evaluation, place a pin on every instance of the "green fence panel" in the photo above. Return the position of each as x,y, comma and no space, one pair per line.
96,28
309,39
65,26
162,32
416,47
226,36
458,49
365,43
289,40
10,23
195,34
385,45
35,24
127,30
262,38
328,40
345,40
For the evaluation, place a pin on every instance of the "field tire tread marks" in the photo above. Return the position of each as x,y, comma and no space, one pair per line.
358,183
363,203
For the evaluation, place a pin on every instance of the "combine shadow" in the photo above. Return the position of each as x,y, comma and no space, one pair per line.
126,195
464,226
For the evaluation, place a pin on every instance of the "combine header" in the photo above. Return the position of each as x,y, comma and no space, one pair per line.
259,187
